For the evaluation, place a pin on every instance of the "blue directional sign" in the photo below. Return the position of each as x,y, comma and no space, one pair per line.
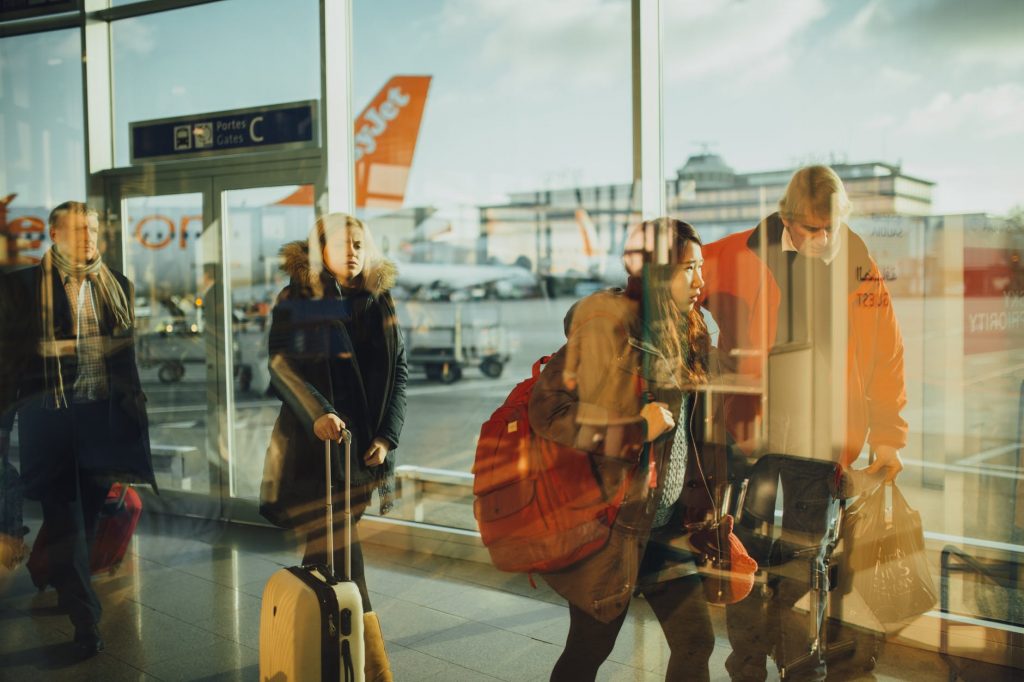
277,127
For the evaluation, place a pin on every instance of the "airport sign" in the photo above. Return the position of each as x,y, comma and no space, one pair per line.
240,131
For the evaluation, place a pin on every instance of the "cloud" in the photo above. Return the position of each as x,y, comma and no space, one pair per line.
728,37
990,113
533,43
857,34
898,77
976,33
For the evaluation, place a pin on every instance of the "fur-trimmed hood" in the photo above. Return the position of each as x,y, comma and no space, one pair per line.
376,279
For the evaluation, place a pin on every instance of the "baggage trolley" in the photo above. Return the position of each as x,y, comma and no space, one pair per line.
799,545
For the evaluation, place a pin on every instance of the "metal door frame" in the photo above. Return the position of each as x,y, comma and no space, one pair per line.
211,179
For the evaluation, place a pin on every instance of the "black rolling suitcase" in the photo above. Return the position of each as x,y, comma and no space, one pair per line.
311,621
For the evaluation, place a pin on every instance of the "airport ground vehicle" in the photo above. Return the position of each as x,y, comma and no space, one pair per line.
443,338
173,344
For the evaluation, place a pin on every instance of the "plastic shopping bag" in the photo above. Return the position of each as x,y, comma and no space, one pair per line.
885,559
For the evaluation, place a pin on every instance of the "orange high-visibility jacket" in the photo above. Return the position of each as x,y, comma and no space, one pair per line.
743,295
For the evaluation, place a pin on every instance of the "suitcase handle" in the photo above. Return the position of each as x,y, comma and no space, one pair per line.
346,438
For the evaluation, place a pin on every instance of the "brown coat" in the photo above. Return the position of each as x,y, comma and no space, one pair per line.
602,417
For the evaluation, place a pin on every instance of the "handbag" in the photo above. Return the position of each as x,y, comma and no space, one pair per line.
885,559
726,569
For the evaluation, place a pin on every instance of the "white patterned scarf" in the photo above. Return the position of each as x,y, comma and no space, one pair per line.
111,297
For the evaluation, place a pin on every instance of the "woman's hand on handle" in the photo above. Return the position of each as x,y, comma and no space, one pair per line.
658,418
328,427
377,452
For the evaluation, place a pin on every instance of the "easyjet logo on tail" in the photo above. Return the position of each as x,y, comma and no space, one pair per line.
385,141
377,119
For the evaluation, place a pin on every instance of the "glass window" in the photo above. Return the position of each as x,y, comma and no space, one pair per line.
176,335
212,57
523,107
918,109
42,147
259,222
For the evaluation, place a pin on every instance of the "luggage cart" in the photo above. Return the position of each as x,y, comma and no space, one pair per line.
443,350
170,350
798,545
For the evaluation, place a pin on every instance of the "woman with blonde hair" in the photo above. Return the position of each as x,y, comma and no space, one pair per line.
337,360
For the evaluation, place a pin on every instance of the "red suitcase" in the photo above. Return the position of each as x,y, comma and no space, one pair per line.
118,519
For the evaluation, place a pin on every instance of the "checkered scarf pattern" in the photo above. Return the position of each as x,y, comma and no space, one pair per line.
91,380
104,293
675,472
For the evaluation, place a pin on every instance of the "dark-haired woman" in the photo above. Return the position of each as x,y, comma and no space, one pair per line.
623,390
338,362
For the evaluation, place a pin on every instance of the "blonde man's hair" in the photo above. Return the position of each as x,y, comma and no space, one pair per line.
817,191
71,208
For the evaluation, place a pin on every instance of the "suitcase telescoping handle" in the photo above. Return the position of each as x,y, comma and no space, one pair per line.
346,438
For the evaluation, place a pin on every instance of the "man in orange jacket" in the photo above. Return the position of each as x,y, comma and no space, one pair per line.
804,315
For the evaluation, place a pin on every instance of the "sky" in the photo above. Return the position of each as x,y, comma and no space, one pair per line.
533,94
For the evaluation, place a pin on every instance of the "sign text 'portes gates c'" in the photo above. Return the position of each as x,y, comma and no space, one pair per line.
278,127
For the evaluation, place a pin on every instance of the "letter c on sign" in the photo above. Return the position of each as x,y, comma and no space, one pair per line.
252,129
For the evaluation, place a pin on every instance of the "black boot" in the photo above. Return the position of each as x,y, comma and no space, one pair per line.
88,640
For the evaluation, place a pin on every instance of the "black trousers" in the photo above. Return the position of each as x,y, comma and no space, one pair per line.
71,527
682,610
71,496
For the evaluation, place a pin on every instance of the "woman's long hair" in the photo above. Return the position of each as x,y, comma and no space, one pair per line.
326,226
654,252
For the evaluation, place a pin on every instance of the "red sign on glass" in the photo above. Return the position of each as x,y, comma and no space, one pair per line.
993,300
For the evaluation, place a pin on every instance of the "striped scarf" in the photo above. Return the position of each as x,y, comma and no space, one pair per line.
111,298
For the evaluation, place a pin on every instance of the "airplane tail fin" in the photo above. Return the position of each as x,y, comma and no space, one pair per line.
385,141
588,234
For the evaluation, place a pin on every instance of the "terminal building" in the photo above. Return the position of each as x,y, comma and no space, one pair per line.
705,191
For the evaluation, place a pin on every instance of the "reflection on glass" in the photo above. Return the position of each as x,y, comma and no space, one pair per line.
258,222
186,61
488,262
165,246
41,134
937,208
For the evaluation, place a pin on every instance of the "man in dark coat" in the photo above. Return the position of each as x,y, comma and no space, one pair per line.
69,373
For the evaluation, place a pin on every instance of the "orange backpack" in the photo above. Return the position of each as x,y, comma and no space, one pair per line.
538,505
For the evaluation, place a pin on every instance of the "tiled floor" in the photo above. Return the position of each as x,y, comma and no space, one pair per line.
185,606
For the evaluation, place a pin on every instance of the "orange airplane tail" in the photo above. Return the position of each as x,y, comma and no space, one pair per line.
588,234
385,141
